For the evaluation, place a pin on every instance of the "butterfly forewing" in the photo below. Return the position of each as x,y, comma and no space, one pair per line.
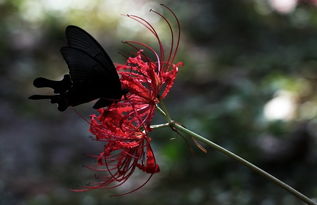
80,39
89,74
81,65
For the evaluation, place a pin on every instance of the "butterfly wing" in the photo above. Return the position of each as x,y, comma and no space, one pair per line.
92,74
90,78
80,39
58,86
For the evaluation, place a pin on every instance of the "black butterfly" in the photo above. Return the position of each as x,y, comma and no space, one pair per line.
92,74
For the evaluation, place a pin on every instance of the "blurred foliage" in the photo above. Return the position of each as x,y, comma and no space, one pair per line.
249,84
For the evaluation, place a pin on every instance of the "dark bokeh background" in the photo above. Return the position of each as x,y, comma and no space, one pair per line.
249,84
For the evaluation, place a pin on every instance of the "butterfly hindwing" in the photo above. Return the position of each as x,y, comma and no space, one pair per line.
58,86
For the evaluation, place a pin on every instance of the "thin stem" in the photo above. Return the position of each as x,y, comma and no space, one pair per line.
244,162
160,110
164,109
160,125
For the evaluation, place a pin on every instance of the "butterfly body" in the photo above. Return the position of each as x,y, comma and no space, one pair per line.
92,74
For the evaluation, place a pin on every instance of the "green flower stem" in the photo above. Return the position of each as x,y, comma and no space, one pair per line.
217,147
244,162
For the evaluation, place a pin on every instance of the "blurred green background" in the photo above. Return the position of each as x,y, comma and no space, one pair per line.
249,84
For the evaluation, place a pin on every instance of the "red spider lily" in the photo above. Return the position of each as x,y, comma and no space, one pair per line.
126,148
124,126
149,81
129,140
147,85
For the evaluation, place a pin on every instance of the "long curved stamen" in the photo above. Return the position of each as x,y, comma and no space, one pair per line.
178,28
152,30
137,49
172,38
151,49
145,23
125,166
120,177
139,187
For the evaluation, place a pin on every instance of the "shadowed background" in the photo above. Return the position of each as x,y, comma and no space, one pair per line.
249,84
